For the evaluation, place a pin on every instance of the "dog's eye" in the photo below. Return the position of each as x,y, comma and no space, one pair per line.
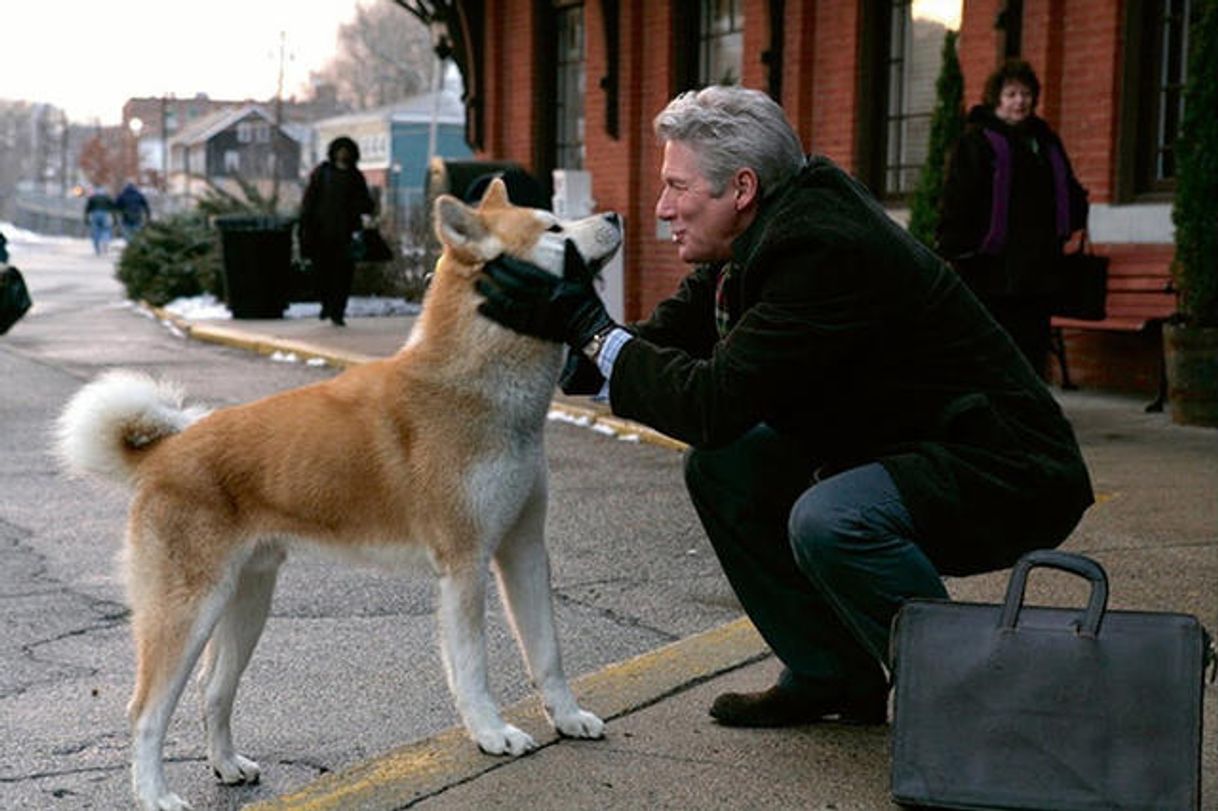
555,229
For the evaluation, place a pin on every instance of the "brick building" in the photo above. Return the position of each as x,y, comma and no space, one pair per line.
563,84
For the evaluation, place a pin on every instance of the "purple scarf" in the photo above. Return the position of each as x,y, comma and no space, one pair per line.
996,238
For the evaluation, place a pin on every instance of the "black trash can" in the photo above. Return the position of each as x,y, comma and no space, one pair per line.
257,264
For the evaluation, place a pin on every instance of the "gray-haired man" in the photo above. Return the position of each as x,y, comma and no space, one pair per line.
858,424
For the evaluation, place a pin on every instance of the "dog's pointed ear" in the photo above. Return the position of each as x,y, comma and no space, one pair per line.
457,225
463,232
496,195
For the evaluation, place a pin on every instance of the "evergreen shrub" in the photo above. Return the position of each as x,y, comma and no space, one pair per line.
177,257
946,125
1195,209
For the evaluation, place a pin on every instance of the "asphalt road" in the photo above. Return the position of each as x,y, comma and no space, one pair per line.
348,666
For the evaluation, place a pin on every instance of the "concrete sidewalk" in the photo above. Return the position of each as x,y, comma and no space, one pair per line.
1154,529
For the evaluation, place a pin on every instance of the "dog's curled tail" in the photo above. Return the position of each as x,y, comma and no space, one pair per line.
108,425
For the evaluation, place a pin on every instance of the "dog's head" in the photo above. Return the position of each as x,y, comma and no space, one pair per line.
472,236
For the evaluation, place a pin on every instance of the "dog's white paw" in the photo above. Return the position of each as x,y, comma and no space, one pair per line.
580,724
506,740
170,802
237,771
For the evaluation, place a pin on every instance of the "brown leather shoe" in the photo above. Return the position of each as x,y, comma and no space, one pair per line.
778,707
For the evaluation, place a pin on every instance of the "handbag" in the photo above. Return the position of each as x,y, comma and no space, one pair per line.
14,297
1017,707
1082,284
367,245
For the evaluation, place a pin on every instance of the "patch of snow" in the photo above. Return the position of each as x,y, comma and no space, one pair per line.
208,308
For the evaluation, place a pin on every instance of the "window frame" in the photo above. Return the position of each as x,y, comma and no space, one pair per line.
709,39
570,131
883,71
1140,143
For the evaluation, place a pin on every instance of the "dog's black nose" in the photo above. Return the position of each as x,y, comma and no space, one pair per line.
613,219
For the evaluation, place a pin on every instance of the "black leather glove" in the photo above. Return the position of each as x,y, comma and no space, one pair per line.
580,376
531,301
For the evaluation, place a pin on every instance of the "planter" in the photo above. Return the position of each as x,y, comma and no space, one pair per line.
1191,358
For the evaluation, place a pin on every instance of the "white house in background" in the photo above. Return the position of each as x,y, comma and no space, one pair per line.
239,142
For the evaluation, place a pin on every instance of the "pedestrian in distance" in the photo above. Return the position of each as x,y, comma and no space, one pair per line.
132,208
336,205
1010,202
859,426
99,217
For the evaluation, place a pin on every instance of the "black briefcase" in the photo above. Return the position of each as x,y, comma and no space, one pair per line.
1019,707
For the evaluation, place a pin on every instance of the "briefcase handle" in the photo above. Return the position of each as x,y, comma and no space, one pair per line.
1066,562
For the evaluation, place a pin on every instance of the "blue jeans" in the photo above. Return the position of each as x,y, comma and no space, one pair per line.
100,230
820,567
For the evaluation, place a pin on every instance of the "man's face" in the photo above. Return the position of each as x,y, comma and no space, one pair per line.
1015,103
703,226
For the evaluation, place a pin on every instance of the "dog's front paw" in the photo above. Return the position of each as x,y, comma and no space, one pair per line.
580,724
168,802
237,771
506,740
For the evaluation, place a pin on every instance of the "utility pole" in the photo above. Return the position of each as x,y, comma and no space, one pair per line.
63,154
278,124
164,145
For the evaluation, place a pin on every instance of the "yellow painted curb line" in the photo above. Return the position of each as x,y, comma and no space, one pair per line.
242,339
622,429
418,770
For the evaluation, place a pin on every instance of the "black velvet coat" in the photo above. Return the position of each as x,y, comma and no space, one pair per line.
859,344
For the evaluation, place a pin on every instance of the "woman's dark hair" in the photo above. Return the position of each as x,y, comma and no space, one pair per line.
338,143
1014,70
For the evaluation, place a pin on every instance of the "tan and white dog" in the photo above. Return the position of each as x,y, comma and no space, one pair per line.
433,454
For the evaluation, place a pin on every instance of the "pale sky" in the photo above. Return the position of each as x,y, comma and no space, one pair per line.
89,57
945,11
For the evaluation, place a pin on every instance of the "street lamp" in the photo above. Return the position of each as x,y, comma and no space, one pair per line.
136,126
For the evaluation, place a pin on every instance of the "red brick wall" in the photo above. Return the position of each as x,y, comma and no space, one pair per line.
1074,47
978,46
834,105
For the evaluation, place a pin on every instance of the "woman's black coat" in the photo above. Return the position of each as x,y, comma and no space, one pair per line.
859,344
1026,264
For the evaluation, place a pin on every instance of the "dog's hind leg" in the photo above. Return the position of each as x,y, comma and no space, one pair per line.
171,620
463,645
523,569
225,659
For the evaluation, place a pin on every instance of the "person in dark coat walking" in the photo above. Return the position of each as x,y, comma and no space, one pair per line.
334,206
859,424
1010,201
132,208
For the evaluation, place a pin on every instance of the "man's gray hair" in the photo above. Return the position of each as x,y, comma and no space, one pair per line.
730,128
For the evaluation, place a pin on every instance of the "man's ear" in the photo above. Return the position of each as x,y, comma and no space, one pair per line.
746,187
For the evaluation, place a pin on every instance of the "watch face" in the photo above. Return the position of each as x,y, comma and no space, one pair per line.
593,348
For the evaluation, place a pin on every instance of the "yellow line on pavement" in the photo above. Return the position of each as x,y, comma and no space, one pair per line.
420,769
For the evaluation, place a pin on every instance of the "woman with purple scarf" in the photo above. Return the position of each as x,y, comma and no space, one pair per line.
1010,203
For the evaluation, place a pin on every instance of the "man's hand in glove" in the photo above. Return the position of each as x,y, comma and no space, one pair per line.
527,299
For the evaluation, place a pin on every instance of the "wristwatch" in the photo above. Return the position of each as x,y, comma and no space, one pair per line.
592,349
